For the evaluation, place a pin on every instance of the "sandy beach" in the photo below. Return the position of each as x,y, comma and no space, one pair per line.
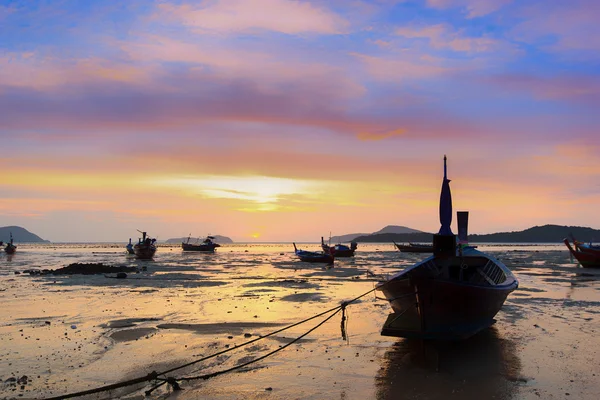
73,333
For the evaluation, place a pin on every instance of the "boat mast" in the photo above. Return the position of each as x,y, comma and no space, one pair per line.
444,242
445,204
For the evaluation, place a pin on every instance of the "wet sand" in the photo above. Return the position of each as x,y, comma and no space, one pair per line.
72,333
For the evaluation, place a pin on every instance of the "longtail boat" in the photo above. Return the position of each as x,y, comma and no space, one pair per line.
414,248
339,250
207,245
10,247
451,295
587,255
129,247
313,256
145,248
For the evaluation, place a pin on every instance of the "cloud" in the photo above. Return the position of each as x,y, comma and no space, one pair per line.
582,89
472,8
380,135
442,36
28,70
403,68
561,27
242,16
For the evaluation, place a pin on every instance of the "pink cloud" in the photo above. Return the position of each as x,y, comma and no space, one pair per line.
403,68
473,8
285,16
574,24
28,70
266,69
577,88
442,36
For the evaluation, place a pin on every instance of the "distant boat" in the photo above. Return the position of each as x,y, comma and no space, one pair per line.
206,245
588,255
451,295
145,248
313,256
10,247
414,248
129,247
339,250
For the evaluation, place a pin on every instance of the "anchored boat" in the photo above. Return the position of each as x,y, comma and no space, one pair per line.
339,250
10,247
145,248
451,295
313,256
129,247
206,245
588,255
414,248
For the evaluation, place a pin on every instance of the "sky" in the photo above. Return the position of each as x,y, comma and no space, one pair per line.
283,120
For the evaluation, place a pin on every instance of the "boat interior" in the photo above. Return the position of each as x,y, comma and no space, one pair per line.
473,270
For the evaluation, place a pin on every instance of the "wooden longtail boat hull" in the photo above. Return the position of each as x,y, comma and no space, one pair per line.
441,310
343,253
10,249
199,247
588,258
339,250
144,252
411,248
313,257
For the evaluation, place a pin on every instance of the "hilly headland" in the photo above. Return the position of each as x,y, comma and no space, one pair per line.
536,234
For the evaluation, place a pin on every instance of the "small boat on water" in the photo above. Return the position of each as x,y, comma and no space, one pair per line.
10,247
588,255
206,245
450,295
313,256
339,250
129,247
145,248
414,248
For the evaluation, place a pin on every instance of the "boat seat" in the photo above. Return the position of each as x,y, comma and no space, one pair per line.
486,274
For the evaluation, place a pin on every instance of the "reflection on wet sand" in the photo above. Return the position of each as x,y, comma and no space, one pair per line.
484,367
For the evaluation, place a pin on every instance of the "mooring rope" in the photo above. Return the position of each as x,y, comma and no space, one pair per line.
155,376
211,375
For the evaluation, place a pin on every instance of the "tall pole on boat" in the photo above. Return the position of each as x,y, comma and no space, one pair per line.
445,204
444,242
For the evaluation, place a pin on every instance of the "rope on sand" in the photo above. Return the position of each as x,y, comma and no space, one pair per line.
159,381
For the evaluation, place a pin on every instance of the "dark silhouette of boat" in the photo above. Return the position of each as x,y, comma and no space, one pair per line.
339,250
588,255
129,247
10,247
206,245
145,248
313,256
451,295
414,248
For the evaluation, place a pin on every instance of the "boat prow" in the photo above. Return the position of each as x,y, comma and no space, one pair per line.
587,256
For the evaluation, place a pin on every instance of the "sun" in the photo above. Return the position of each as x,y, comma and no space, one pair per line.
255,235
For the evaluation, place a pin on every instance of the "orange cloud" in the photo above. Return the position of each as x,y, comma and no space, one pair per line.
380,135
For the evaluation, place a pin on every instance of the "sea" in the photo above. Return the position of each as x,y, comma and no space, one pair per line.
72,333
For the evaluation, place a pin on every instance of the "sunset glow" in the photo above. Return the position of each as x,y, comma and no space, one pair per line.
282,120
